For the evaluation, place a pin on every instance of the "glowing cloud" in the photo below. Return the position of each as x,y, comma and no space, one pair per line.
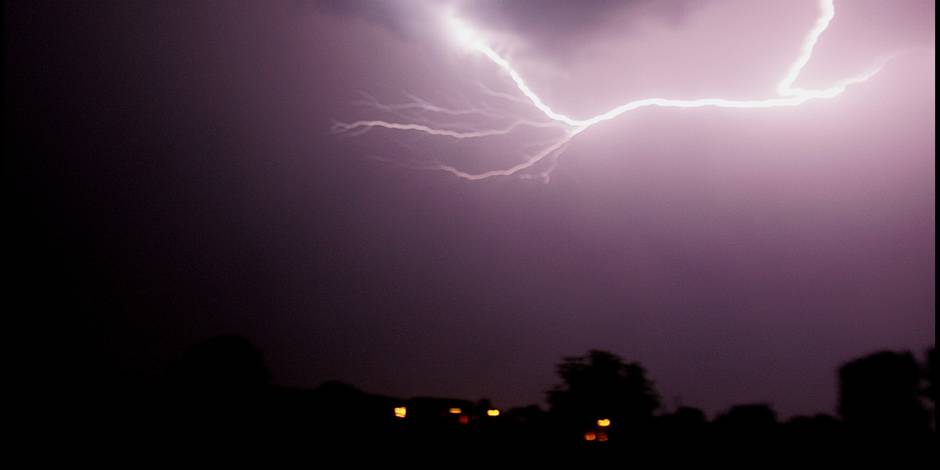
568,126
464,35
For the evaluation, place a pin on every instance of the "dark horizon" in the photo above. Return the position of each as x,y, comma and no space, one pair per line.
220,392
887,379
174,174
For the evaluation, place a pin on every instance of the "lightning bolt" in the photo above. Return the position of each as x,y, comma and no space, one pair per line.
569,127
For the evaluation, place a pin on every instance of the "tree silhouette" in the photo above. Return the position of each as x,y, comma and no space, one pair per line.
219,389
881,393
600,385
684,422
930,391
227,364
751,418
930,374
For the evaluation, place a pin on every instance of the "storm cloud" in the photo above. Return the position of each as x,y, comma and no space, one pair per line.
543,26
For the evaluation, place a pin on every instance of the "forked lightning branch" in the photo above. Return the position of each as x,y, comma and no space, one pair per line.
786,95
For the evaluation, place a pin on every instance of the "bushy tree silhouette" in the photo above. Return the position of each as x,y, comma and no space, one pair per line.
881,393
218,389
930,371
930,390
600,385
227,364
750,418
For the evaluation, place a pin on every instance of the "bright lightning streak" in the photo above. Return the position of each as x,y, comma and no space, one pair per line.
827,13
341,127
521,85
527,163
787,95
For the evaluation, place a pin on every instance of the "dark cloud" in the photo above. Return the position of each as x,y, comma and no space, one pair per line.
408,18
555,23
544,25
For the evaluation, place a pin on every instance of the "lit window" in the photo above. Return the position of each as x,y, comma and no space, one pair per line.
400,411
493,412
590,436
603,422
602,436
455,411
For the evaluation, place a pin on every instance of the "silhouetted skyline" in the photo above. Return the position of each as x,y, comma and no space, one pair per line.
600,403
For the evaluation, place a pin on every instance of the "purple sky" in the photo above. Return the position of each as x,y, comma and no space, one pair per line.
182,156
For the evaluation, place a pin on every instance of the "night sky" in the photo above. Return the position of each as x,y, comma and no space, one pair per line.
174,176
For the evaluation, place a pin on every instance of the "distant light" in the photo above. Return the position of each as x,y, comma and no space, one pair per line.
400,411
493,412
464,419
590,436
602,436
455,411
603,422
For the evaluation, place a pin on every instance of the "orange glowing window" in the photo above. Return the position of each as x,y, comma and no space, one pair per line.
603,422
493,412
590,436
455,411
401,411
602,437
